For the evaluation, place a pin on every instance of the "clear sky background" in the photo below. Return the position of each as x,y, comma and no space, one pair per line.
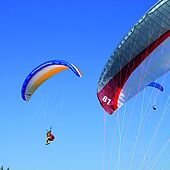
84,33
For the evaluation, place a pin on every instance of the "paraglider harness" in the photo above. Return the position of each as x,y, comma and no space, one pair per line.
154,108
50,137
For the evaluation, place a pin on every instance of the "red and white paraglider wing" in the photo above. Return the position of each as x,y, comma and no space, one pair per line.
141,58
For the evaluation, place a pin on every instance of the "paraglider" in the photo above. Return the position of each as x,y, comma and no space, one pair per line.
50,137
39,75
157,86
42,73
141,58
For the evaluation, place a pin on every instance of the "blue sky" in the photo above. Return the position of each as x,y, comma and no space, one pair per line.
84,33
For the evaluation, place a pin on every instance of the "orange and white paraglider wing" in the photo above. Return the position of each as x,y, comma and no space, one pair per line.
43,72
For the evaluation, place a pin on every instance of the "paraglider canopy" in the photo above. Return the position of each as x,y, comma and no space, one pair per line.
42,73
156,85
140,58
